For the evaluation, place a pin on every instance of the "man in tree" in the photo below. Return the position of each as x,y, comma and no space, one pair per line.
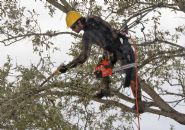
115,45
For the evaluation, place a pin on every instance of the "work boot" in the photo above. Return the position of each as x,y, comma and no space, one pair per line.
102,92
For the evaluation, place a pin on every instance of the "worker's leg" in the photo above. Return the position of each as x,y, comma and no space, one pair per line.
130,79
105,87
128,58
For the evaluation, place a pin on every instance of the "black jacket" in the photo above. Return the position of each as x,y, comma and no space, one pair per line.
95,32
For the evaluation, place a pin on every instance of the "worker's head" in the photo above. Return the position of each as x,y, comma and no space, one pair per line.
73,21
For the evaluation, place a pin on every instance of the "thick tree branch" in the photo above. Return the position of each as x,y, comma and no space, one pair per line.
181,4
157,99
66,5
58,5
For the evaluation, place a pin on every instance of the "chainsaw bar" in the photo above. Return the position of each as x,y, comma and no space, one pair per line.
121,68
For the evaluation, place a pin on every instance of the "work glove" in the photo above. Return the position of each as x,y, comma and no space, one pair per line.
62,69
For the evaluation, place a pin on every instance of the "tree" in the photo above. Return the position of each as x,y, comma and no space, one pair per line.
25,105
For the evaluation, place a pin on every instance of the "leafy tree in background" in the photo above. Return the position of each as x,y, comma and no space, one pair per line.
66,101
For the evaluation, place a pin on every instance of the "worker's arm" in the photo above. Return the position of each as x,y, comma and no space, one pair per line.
86,48
81,58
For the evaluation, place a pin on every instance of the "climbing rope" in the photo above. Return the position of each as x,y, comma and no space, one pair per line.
136,80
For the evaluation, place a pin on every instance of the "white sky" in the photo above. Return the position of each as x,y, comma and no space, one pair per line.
22,53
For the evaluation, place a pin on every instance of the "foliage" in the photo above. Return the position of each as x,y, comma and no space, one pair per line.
66,102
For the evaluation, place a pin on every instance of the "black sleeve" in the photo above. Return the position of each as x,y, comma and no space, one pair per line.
86,48
113,59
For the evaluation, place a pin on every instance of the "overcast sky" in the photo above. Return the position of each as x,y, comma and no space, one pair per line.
22,53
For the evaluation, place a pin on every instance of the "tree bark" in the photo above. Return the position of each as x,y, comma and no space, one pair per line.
181,4
58,5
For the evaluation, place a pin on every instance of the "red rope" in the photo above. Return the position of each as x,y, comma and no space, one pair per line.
136,82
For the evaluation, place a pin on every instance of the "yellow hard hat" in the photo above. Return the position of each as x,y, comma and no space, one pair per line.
72,17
